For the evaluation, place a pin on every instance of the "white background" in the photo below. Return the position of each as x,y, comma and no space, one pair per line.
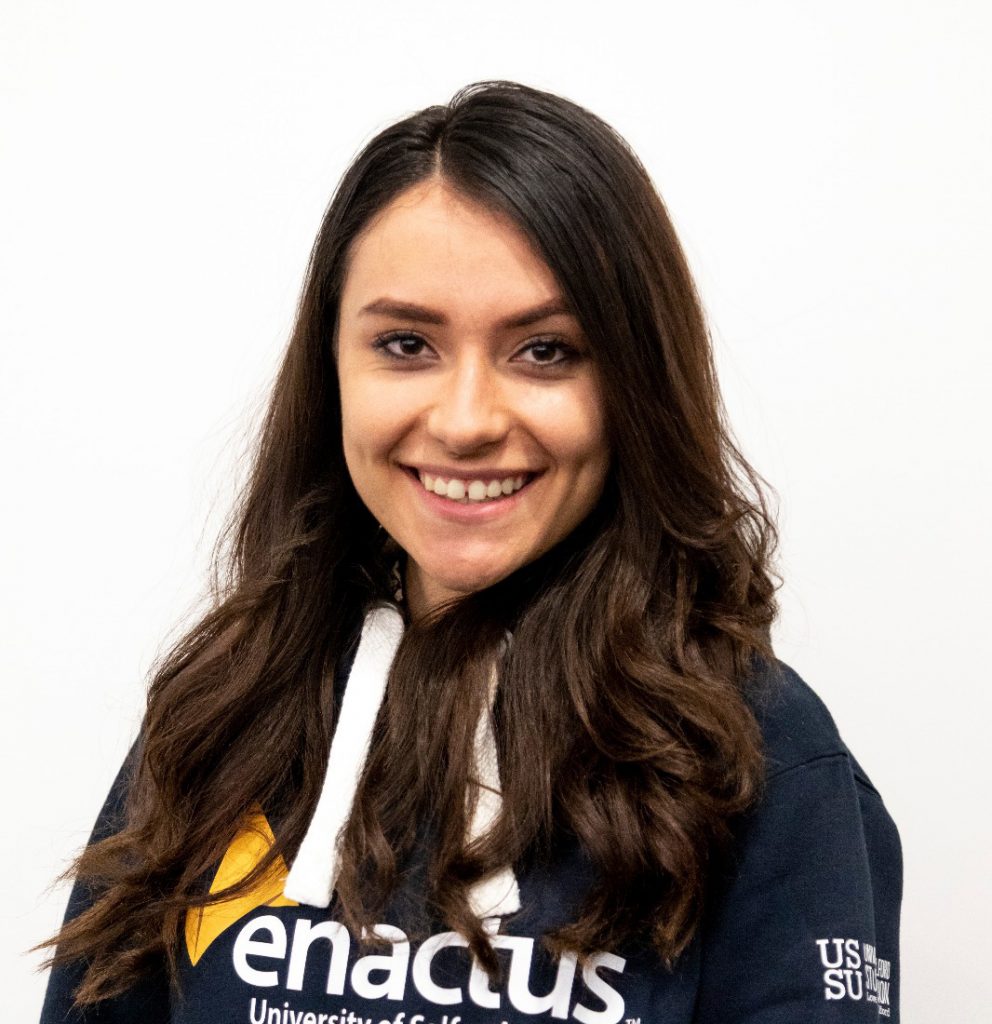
162,175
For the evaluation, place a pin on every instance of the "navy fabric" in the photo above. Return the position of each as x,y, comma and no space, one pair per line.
804,927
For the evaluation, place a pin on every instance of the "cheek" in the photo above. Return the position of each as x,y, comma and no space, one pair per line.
572,427
363,443
369,425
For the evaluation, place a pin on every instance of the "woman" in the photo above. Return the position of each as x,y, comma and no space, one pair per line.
499,546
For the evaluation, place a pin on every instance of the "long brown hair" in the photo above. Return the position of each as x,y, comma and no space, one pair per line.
621,722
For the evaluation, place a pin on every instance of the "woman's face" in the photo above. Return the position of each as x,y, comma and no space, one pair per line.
472,417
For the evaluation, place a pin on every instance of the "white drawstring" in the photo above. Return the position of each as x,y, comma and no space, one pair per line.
313,875
312,878
499,894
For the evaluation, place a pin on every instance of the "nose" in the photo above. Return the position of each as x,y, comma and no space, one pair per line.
469,411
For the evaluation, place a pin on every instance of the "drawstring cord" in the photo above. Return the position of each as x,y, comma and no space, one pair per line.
312,878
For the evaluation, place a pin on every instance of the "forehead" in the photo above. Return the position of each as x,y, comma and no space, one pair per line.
432,246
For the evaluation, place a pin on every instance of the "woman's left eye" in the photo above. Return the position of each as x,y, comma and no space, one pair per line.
550,352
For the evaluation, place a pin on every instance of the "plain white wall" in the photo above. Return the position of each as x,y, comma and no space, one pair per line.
162,175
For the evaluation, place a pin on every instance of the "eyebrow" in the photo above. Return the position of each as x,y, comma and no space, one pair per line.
424,315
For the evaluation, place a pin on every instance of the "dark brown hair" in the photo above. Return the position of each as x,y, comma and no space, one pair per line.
622,722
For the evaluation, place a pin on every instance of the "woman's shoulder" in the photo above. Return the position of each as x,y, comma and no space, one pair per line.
813,891
796,725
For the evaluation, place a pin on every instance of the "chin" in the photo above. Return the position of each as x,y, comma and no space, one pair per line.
469,579
469,583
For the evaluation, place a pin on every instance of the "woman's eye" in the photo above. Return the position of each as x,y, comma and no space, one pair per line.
400,346
550,352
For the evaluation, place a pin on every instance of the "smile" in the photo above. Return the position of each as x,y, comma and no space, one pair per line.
472,490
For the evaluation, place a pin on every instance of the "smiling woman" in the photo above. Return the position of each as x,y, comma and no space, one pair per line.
486,724
472,417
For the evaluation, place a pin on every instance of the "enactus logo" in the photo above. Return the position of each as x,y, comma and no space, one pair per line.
275,953
250,845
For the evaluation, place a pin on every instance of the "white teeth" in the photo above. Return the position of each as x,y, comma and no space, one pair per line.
466,491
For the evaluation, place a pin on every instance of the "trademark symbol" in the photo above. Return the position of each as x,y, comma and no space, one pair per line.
632,1020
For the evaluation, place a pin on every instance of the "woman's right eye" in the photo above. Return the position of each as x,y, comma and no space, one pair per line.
400,344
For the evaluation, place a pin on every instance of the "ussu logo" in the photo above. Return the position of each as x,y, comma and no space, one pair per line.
854,970
842,974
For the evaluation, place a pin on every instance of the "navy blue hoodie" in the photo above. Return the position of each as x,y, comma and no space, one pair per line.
804,929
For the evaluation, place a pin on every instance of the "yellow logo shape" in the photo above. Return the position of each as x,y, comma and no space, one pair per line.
204,924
